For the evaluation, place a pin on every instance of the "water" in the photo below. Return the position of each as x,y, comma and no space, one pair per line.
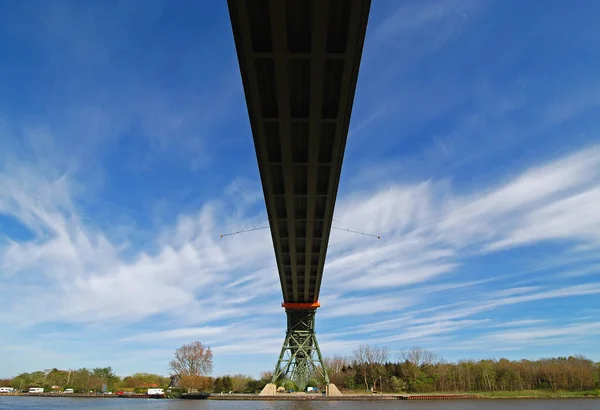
51,403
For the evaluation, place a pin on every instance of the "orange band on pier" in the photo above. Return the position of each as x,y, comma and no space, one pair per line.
300,306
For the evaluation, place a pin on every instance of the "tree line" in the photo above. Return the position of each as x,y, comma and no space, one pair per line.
369,368
94,380
191,367
419,370
85,380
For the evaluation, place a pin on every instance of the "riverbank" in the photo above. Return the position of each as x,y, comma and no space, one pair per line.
87,396
352,396
349,396
523,394
540,394
62,395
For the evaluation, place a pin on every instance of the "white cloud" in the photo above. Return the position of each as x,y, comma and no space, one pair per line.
212,335
366,305
500,215
514,291
423,230
518,323
530,335
456,313
73,273
488,304
536,340
81,274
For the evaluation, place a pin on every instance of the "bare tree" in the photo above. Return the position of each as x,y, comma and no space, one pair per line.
192,360
417,357
336,363
370,359
336,366
268,375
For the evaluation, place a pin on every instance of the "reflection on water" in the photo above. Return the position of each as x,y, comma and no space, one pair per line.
41,403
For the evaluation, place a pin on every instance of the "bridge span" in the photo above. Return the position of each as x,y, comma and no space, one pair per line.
299,62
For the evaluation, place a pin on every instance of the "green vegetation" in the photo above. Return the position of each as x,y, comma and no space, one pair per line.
420,371
92,380
81,380
539,394
416,371
192,363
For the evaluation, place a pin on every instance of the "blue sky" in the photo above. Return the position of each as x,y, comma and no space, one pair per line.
125,150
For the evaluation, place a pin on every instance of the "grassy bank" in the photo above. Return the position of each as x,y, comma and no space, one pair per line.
496,394
539,394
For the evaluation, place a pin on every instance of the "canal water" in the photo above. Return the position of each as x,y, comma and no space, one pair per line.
50,403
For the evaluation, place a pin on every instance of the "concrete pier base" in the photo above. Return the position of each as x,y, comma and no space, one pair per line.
269,390
332,390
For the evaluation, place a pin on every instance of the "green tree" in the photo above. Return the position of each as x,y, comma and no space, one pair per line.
56,377
397,384
218,385
131,382
81,380
369,360
20,382
255,386
150,378
104,376
240,382
227,384
289,385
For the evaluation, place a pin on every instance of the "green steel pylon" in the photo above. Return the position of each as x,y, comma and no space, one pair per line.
300,358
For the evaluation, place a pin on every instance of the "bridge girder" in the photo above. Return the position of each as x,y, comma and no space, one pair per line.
299,62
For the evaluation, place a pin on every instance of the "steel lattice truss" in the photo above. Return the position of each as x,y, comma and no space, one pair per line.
300,358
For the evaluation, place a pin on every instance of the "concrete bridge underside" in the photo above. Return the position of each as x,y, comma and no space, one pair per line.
299,61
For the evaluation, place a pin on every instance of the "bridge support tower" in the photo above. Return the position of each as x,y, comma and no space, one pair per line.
300,359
